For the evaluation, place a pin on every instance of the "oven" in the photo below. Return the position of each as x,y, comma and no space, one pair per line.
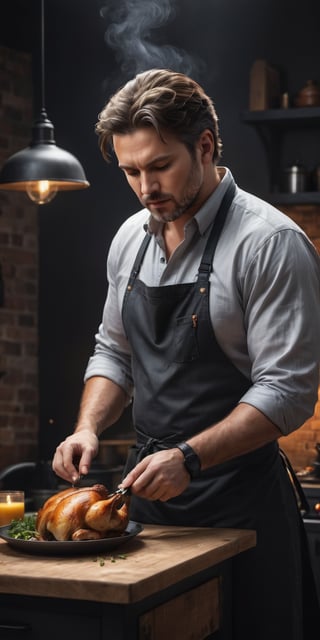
311,521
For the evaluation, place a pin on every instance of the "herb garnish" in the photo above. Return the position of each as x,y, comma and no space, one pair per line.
24,529
101,559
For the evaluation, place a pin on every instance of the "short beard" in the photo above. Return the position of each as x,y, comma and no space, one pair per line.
180,210
187,203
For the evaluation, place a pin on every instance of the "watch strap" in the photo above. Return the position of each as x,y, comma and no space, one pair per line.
191,459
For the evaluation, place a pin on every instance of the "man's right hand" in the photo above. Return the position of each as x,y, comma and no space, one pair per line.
74,455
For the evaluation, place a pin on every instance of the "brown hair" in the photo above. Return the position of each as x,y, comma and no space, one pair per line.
165,100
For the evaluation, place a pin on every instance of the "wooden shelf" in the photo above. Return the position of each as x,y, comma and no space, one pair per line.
303,116
272,126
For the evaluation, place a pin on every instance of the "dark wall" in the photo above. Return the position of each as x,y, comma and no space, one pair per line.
217,42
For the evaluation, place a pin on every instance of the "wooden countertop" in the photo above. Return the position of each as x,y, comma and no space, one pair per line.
154,560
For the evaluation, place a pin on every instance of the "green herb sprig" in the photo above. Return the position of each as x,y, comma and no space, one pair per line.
24,529
102,559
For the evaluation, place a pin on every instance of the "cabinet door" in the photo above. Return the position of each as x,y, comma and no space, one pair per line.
194,614
46,619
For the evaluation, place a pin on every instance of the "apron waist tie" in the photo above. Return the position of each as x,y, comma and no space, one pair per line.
146,445
149,447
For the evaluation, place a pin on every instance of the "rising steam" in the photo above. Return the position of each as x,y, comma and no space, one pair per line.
131,24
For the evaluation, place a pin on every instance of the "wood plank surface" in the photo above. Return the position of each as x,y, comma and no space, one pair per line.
157,558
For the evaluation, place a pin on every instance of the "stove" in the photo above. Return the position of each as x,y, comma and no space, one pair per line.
312,492
311,519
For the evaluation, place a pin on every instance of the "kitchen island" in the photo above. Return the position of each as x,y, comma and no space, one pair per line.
165,583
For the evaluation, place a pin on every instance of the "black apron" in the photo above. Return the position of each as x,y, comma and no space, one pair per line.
184,383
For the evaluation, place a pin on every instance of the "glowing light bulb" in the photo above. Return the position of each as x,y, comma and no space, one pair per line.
42,191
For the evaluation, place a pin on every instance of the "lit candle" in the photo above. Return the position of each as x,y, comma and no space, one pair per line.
11,506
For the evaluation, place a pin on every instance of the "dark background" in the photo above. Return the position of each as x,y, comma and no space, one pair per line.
215,41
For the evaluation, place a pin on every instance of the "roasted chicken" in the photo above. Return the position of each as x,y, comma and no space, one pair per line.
86,513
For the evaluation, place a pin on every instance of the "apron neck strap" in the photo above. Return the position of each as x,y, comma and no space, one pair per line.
205,267
139,258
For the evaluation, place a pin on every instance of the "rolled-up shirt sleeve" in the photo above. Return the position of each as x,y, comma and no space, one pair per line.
281,301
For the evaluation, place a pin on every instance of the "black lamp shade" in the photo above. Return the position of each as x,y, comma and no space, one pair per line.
42,169
42,160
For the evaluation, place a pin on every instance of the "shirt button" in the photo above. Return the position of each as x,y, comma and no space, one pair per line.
162,259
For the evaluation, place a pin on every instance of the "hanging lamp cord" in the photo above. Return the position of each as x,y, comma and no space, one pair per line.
43,108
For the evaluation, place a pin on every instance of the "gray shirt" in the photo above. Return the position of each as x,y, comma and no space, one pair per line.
264,300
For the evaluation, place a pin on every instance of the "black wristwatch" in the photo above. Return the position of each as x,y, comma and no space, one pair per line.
191,459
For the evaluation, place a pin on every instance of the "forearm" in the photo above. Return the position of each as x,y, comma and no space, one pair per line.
102,403
242,431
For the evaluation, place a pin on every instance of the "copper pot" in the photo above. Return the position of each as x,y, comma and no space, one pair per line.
308,96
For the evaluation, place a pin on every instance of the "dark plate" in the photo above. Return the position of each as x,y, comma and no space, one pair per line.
57,548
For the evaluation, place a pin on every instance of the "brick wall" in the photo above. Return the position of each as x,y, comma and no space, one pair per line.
18,259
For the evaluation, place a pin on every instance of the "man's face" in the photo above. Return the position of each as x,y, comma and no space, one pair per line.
163,174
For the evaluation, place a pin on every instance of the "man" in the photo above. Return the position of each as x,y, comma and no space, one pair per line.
211,327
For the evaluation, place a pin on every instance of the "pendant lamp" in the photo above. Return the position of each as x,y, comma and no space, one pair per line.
42,169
